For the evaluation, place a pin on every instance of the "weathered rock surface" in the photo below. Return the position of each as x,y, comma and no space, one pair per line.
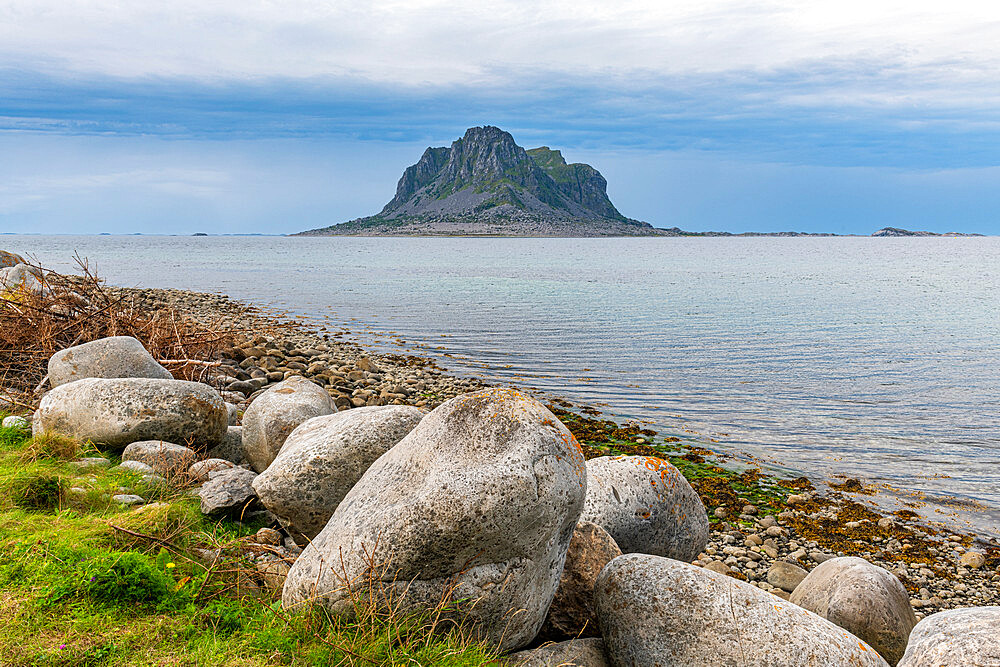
572,653
323,459
864,599
10,259
572,611
137,467
786,576
229,492
115,357
646,505
20,277
165,458
231,448
966,637
15,421
274,414
116,412
479,501
659,611
202,470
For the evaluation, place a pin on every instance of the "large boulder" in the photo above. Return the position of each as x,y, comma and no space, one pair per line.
323,459
659,611
114,357
10,259
572,653
969,636
572,611
229,493
20,277
274,415
476,505
116,412
864,599
646,505
165,458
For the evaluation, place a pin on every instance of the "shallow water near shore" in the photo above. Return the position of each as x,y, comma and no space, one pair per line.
870,357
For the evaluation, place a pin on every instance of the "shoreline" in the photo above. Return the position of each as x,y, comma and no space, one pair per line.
756,519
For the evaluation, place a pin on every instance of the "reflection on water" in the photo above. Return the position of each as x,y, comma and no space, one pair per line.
868,357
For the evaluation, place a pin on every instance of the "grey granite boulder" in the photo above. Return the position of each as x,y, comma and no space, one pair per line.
323,458
231,448
646,505
864,599
572,611
476,505
116,412
659,611
166,458
20,277
137,467
572,653
957,637
274,415
202,470
114,357
229,492
15,421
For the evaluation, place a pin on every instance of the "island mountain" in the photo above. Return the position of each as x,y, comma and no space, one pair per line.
485,184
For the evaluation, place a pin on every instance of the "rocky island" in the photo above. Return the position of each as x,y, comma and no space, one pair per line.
487,185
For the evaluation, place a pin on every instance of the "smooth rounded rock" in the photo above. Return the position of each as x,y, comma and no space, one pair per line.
137,467
477,505
114,357
864,599
14,421
202,470
229,492
165,458
231,448
10,259
786,576
646,505
323,459
20,277
573,653
966,637
572,611
127,499
116,412
274,414
659,611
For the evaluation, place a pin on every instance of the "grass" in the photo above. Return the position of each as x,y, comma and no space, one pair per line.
84,582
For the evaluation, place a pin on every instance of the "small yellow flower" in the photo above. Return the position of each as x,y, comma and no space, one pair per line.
170,566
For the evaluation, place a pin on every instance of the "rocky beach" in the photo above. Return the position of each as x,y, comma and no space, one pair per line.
324,448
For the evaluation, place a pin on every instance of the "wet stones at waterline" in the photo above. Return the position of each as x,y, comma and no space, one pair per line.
476,504
646,505
274,415
323,459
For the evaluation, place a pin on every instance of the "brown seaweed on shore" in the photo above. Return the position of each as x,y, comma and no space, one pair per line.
61,311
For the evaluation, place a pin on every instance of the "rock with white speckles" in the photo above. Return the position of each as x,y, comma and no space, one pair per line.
957,637
274,415
646,505
572,653
323,458
864,599
113,357
479,501
659,611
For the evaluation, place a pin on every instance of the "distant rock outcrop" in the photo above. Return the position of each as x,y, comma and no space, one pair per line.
896,231
485,184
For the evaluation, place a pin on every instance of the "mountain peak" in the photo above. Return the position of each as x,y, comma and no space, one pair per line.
484,180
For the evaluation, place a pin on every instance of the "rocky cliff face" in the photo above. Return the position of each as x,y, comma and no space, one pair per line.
486,184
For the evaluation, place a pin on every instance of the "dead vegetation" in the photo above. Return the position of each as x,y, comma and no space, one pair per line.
61,311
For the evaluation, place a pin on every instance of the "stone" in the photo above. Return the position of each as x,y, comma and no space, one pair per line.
91,463
323,458
785,575
862,598
969,636
268,536
572,653
114,357
477,504
137,467
646,505
274,415
166,458
128,499
233,412
14,421
117,412
10,259
972,560
201,470
572,611
658,611
719,567
231,448
20,277
229,492
274,571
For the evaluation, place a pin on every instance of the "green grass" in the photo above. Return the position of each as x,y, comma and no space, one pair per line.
76,591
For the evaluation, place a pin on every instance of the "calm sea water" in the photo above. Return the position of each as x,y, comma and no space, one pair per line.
877,358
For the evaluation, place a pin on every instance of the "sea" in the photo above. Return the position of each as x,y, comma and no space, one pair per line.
874,358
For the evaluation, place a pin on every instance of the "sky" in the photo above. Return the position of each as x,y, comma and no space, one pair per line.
260,116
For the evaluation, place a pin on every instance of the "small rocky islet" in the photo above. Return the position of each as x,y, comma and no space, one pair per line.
557,544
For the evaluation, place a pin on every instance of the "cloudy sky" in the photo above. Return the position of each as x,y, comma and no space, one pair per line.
261,116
